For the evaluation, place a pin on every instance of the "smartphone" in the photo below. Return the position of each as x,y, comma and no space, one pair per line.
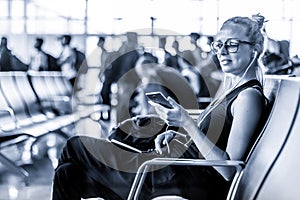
158,97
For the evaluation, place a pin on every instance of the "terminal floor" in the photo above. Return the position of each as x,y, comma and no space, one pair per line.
39,182
40,165
40,168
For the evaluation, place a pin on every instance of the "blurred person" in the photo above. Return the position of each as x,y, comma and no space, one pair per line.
131,43
276,56
80,61
81,68
149,76
67,59
99,57
295,62
39,60
96,64
8,61
104,56
5,56
226,130
163,55
209,68
124,60
193,55
190,72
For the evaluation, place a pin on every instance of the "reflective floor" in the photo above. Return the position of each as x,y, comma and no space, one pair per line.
39,164
39,181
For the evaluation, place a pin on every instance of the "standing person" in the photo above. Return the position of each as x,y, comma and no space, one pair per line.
9,61
67,59
190,72
163,55
6,56
99,57
193,55
226,130
39,60
125,60
103,55
97,61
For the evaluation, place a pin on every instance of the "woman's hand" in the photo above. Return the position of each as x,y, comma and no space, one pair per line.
163,139
174,116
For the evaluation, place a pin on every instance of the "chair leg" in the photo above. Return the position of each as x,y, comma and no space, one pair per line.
13,167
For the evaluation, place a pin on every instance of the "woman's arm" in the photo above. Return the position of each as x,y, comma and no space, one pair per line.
178,116
246,111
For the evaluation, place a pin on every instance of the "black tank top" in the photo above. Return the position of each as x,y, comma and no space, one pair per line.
216,120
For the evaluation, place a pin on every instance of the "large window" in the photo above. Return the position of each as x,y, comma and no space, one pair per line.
88,18
56,16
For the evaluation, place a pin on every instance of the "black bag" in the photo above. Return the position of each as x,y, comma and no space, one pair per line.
139,132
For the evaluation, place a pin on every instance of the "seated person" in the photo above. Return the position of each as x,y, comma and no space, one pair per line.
90,167
150,76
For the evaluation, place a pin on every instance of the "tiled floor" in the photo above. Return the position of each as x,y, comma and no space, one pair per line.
40,167
39,182
40,170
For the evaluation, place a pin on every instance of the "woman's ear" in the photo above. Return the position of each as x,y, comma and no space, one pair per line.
254,53
257,48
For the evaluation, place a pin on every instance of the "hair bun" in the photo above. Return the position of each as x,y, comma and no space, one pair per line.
259,19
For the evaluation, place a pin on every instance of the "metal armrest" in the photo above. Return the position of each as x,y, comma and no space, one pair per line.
204,99
54,103
57,99
143,169
11,113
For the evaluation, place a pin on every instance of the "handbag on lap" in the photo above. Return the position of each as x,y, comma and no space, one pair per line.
137,134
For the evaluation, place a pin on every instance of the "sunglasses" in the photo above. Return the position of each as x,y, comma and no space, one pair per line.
231,45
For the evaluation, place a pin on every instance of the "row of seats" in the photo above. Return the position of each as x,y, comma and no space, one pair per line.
271,170
33,105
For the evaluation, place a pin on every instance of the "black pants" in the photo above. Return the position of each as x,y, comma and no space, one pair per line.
90,167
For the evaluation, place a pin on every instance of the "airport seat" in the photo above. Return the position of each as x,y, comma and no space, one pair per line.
53,90
14,99
7,115
55,93
28,114
29,117
28,96
23,117
282,178
271,165
271,143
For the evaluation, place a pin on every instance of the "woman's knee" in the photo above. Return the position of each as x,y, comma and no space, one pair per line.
67,182
69,149
73,140
66,170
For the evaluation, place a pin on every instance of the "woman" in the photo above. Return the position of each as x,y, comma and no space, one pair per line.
90,167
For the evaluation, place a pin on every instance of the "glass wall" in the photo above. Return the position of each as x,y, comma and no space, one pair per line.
22,20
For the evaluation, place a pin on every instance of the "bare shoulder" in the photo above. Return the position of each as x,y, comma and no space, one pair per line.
250,98
251,94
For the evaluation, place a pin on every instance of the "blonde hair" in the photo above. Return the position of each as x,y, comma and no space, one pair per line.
256,36
254,28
